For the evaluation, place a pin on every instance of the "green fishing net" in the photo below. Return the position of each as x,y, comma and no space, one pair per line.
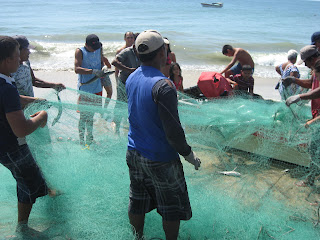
264,141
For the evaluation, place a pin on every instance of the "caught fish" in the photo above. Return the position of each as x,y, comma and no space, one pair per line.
106,73
232,173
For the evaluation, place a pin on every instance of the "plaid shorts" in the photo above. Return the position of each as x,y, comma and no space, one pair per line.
159,185
106,82
30,182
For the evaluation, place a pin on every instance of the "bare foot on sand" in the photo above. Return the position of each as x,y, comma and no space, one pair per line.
54,193
25,231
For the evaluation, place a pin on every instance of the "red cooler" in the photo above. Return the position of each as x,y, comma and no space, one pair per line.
213,84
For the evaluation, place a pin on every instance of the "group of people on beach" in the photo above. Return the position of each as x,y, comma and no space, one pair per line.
148,79
155,138
291,87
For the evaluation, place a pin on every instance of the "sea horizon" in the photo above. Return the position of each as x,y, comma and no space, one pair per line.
267,30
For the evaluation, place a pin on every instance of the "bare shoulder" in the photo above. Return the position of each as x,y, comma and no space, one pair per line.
120,49
78,53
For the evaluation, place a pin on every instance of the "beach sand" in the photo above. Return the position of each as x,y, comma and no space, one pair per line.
263,86
257,185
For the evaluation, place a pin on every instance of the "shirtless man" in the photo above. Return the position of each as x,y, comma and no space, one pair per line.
129,39
238,54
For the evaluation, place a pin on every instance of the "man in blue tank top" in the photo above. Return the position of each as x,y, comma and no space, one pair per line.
155,139
88,63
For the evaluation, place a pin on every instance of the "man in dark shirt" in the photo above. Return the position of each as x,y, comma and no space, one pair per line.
155,139
18,158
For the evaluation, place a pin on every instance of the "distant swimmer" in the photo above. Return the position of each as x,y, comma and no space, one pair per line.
239,55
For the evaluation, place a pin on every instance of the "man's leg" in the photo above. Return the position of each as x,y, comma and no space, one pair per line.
24,210
137,223
171,229
82,126
89,125
109,95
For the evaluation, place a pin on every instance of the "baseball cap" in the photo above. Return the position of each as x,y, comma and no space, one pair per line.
315,37
148,41
23,41
307,52
93,41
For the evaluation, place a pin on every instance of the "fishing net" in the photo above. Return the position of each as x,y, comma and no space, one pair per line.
264,142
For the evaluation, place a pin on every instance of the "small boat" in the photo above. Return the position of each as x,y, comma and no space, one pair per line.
215,5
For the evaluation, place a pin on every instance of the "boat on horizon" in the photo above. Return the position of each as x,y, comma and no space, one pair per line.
215,5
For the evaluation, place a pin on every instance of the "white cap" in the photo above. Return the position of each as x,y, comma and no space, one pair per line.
307,52
148,41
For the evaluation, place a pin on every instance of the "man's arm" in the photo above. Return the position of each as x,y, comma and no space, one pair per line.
233,61
25,100
116,69
22,127
78,62
166,98
305,83
278,70
314,94
43,84
106,62
120,66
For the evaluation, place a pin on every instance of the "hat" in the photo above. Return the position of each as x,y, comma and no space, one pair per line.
307,52
166,41
23,41
315,37
93,41
148,41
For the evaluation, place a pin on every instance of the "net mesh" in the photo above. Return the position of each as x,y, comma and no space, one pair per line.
264,141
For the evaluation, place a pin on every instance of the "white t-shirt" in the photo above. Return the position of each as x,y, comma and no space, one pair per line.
23,79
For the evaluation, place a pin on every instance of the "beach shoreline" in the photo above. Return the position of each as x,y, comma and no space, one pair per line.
263,86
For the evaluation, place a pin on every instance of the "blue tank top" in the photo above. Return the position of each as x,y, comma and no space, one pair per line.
91,60
146,134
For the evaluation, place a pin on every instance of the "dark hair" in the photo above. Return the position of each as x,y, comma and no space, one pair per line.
317,66
169,49
171,70
136,35
7,47
125,35
225,48
149,56
246,68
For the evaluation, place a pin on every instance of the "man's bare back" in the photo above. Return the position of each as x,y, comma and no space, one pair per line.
238,55
243,57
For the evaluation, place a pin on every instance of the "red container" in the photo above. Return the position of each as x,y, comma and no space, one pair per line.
213,84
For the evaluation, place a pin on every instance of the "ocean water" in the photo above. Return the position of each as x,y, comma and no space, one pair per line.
267,29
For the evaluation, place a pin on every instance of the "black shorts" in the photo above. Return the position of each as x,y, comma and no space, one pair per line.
30,182
159,185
